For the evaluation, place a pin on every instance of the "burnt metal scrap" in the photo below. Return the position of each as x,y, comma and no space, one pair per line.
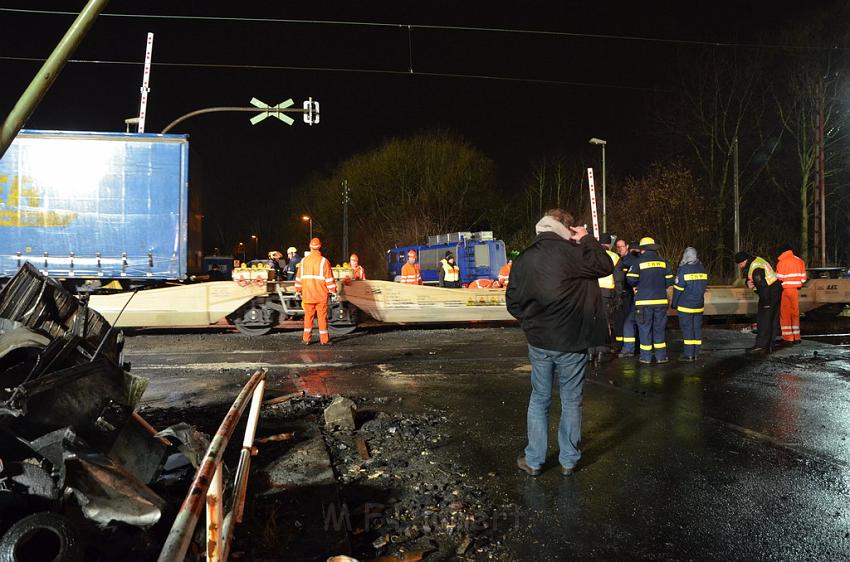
71,442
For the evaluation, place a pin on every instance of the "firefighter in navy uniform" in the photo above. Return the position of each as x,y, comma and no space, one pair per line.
650,276
624,314
763,280
689,302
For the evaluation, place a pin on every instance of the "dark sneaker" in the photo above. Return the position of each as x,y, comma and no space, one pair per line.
665,360
687,359
645,361
757,350
567,471
522,465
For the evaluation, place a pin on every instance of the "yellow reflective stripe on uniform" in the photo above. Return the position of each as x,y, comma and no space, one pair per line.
629,340
646,347
690,310
678,288
652,264
693,342
632,274
659,345
696,276
653,301
668,276
618,338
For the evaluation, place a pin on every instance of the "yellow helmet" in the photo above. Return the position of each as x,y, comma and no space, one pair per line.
647,243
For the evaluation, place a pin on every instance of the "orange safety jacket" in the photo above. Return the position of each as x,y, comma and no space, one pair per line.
483,284
410,274
315,278
358,273
791,270
505,274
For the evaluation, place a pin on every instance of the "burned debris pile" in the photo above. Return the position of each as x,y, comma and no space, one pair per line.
77,461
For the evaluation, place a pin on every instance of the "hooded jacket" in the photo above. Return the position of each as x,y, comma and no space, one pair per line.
690,284
554,292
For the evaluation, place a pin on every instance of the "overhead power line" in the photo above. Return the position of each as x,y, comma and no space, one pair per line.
349,70
440,27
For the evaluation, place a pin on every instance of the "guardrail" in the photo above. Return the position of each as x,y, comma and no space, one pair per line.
207,486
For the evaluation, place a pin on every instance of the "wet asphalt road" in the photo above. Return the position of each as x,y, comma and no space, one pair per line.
734,457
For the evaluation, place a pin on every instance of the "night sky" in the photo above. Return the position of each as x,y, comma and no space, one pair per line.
562,89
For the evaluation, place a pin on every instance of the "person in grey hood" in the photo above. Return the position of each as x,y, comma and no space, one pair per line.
554,293
689,302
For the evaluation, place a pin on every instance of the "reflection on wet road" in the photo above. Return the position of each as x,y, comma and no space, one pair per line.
731,457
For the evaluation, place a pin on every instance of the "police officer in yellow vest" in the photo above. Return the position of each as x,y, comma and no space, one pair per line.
449,272
610,287
762,279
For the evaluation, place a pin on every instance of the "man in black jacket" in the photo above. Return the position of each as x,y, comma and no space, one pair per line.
554,293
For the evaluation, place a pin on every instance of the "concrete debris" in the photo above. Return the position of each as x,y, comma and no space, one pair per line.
340,413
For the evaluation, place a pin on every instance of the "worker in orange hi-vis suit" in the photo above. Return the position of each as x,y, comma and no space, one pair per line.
357,271
791,271
505,273
314,281
483,284
410,270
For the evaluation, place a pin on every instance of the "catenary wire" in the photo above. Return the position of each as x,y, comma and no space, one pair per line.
349,70
441,28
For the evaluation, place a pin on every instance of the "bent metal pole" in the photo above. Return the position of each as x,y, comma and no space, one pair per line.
51,68
180,535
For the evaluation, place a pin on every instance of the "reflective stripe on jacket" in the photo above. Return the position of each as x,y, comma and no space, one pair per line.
410,274
791,270
505,274
451,272
315,278
769,275
358,273
651,276
608,281
689,288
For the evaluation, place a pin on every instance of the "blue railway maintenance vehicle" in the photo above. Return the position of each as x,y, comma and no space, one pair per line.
478,256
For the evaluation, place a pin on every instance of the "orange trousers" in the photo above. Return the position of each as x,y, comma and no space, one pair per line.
789,314
311,309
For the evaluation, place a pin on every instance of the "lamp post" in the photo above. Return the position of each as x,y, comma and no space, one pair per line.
241,247
307,218
256,240
602,143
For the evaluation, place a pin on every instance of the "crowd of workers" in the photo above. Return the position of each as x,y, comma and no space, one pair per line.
576,298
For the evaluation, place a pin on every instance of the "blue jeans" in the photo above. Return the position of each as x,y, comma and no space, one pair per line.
570,370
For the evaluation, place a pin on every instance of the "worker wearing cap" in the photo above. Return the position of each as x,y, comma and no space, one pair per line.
625,329
650,276
689,302
314,281
410,270
791,271
294,260
449,272
357,271
763,280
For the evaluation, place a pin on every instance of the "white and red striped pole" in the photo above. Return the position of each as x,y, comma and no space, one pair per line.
593,203
146,77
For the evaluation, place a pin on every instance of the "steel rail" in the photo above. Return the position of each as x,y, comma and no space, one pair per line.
209,472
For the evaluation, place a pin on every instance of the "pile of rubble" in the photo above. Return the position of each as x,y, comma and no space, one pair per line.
77,461
404,498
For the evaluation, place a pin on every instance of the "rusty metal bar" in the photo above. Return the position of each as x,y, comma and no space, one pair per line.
215,498
149,428
180,535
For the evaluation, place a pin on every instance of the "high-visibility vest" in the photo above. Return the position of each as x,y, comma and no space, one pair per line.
358,273
314,278
769,274
608,282
505,274
451,272
410,274
791,270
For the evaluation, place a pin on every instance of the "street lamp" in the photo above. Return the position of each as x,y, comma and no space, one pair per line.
601,142
309,219
256,240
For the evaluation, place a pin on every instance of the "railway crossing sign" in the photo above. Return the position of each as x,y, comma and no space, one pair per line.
272,111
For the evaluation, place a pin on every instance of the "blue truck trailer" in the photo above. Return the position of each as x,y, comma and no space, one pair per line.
86,205
478,256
